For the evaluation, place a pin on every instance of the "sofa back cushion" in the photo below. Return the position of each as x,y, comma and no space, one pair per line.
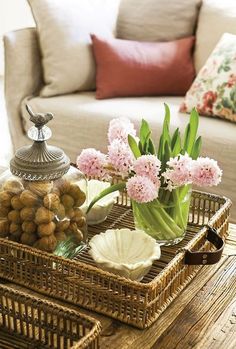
157,20
64,28
215,18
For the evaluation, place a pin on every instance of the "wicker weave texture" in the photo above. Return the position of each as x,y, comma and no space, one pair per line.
81,282
30,322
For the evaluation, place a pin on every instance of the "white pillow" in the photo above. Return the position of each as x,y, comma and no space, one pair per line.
216,17
64,28
157,20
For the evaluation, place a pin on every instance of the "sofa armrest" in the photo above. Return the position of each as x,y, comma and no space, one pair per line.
23,76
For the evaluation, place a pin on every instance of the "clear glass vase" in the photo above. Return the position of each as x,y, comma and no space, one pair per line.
166,218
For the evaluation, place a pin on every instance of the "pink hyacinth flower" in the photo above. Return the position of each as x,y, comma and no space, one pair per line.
179,171
148,166
141,189
120,128
91,162
206,172
120,156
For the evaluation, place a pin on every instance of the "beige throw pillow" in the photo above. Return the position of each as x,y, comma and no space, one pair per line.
215,18
157,20
64,28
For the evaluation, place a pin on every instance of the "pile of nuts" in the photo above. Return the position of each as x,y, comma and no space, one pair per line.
40,214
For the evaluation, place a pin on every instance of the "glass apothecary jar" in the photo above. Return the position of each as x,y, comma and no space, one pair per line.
41,195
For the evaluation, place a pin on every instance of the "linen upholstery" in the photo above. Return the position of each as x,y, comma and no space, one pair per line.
216,17
64,27
157,20
23,76
81,121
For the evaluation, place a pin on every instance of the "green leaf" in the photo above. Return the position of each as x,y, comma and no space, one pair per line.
146,142
160,148
186,137
167,152
140,147
111,189
165,136
133,146
166,156
177,146
151,147
194,121
69,248
167,115
144,132
196,148
174,137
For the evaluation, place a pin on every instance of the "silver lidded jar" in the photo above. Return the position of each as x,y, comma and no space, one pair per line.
41,195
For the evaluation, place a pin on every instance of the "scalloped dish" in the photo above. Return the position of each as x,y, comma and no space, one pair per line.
128,253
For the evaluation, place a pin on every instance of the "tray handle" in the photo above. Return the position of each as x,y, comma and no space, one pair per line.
204,257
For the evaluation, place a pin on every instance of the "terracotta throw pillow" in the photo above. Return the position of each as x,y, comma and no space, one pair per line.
131,68
214,90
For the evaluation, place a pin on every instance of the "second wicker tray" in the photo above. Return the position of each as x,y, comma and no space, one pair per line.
30,322
137,303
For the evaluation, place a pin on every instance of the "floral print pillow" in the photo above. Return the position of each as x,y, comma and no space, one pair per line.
213,92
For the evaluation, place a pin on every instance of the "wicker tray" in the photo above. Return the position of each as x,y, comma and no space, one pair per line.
30,322
81,282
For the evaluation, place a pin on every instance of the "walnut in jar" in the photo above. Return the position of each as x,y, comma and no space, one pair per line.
15,229
67,201
77,194
43,215
15,232
51,201
14,216
27,214
13,186
46,229
29,227
16,202
5,199
41,188
74,231
62,225
78,217
4,211
47,243
60,235
4,227
63,186
60,212
28,198
28,239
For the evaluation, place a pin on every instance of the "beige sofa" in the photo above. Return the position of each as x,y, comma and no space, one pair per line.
81,121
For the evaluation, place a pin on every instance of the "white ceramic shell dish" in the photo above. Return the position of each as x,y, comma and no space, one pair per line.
128,253
102,208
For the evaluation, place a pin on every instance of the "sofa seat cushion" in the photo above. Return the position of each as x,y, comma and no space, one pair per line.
81,121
